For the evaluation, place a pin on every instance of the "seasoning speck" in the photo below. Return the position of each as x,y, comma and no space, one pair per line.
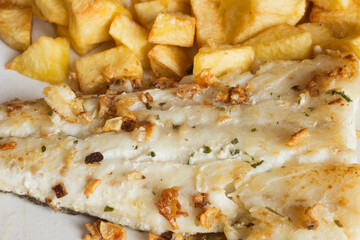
253,130
234,141
255,165
152,154
108,209
220,108
51,112
206,149
94,159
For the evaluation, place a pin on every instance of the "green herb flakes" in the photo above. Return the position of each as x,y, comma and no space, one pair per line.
341,93
220,108
255,165
311,109
206,149
234,152
148,107
51,112
235,141
152,154
43,148
338,223
253,130
108,209
136,147
175,126
162,104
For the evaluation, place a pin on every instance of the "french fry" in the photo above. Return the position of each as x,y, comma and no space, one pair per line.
63,31
147,12
173,29
47,59
90,20
346,45
169,61
332,4
223,60
15,27
53,11
26,3
284,42
320,34
245,19
208,22
341,23
96,71
126,31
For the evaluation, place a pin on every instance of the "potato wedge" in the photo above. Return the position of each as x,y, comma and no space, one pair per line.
47,59
90,20
178,6
96,71
320,34
169,61
15,27
284,42
346,45
208,22
245,19
26,3
147,12
53,11
223,60
341,23
175,29
63,31
132,35
332,4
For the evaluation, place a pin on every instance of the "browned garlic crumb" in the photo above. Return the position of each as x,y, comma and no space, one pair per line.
298,137
100,230
91,186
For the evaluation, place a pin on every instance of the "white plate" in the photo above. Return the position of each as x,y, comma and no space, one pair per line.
20,219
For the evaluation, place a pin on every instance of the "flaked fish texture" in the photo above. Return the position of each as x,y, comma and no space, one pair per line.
187,159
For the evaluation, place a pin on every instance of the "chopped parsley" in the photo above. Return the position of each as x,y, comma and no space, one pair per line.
152,154
234,141
234,152
220,108
307,115
51,112
175,126
192,154
255,165
148,107
136,147
246,153
157,117
206,149
108,209
162,104
341,93
43,148
311,109
271,93
338,223
253,130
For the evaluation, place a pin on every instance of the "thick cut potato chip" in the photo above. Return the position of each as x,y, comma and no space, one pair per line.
53,11
90,20
173,29
341,23
63,31
332,4
126,31
282,42
47,59
223,60
169,61
96,71
15,27
209,25
147,12
244,19
320,34
346,45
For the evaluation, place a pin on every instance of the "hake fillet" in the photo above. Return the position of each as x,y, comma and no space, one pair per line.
298,115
